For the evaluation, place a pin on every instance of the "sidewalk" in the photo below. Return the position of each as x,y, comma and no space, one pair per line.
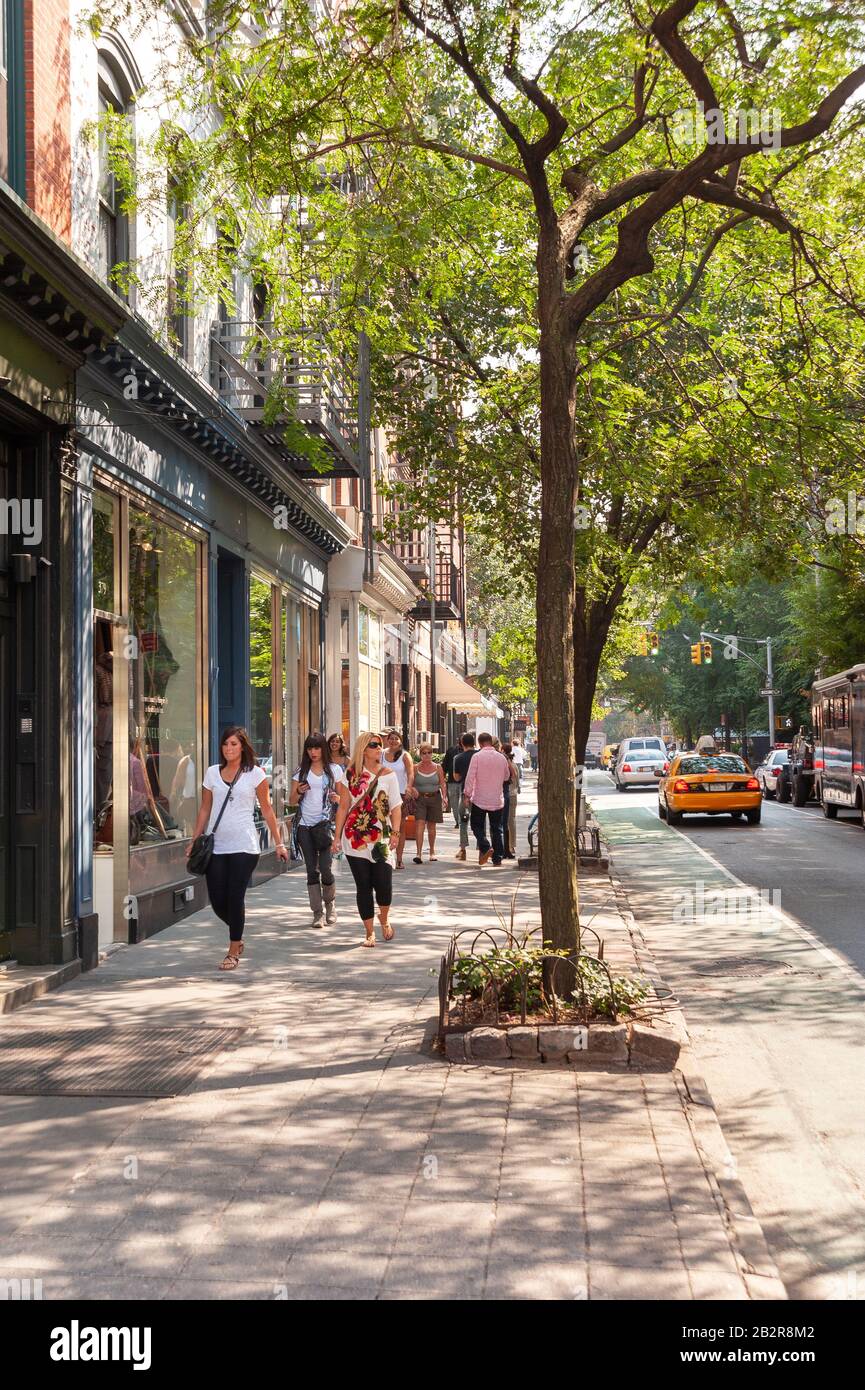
325,1155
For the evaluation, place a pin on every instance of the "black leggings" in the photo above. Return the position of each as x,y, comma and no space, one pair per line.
319,862
228,878
371,876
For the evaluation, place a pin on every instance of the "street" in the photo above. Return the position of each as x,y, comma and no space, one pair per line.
772,982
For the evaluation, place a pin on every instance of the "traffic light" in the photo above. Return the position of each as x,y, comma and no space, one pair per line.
644,644
707,653
696,653
654,644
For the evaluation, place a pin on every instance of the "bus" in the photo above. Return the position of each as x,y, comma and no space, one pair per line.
838,722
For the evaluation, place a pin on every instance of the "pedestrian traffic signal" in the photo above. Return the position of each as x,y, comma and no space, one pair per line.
707,653
696,653
654,643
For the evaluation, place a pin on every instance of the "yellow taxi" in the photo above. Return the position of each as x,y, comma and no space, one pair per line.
709,784
608,755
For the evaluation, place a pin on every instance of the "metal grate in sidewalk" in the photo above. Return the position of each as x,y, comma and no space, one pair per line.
107,1061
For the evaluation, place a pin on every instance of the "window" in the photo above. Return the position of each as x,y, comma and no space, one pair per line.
369,668
12,144
178,310
163,684
115,122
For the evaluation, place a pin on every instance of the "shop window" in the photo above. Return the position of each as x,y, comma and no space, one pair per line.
261,668
345,702
163,682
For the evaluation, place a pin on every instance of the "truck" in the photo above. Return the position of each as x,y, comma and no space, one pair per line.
838,725
594,748
796,781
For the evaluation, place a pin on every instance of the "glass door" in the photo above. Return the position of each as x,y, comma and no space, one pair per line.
108,666
7,685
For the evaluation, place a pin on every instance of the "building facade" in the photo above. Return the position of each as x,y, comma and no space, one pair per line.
168,565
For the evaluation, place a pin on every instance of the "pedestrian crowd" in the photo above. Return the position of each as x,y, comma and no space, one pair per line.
364,807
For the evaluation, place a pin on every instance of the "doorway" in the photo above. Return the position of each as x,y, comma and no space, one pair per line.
7,686
110,819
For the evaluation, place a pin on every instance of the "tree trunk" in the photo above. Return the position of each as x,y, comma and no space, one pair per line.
554,638
590,629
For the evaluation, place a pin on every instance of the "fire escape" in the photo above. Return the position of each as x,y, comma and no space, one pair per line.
250,366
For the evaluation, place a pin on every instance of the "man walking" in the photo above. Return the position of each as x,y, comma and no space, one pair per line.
456,785
487,774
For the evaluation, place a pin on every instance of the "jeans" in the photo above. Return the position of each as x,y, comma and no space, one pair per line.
455,800
228,878
319,862
479,830
511,828
371,876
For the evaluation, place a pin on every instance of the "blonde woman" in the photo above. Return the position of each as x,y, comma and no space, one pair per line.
432,790
367,829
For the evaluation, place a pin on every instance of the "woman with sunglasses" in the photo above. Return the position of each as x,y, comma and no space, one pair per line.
367,827
316,785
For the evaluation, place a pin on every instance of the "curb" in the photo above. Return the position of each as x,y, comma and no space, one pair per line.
33,983
747,1240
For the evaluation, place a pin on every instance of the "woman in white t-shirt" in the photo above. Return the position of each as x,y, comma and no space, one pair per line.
317,784
368,823
237,783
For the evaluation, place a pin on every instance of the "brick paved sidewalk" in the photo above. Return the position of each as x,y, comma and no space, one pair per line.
327,1156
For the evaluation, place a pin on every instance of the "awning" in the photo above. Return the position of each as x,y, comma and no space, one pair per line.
452,690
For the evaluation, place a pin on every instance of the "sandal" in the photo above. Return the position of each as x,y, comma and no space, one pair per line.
433,859
417,859
386,931
232,959
370,940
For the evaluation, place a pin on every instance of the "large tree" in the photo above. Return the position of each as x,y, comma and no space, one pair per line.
428,158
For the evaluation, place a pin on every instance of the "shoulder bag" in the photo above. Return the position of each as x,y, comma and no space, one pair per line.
202,846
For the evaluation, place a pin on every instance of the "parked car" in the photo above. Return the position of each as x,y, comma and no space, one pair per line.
709,785
638,761
770,771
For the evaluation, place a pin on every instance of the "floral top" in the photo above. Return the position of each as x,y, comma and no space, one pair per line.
367,826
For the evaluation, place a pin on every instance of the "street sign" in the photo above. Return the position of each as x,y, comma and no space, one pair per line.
767,693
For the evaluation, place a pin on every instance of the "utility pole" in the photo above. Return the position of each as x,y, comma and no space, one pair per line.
771,689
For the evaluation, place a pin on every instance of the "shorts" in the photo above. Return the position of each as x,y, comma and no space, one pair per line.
429,807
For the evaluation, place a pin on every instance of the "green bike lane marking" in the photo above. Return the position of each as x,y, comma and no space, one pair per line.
704,906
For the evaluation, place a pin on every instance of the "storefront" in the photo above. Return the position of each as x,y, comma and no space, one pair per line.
197,611
51,316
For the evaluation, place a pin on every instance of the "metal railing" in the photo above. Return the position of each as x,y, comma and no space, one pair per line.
249,365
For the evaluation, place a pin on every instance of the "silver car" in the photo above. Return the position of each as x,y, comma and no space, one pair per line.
638,762
768,774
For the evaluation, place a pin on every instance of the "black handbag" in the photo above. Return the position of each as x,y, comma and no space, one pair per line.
202,846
